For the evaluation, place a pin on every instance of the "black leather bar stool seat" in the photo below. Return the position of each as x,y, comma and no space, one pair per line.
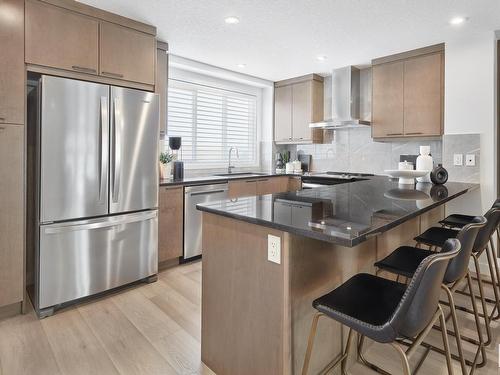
457,220
436,236
404,260
363,299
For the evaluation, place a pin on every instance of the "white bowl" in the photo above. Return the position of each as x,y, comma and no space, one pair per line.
405,176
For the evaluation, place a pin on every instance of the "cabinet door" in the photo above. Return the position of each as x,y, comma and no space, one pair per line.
12,62
423,94
127,54
272,185
302,111
170,223
11,214
294,183
60,38
387,101
283,113
242,188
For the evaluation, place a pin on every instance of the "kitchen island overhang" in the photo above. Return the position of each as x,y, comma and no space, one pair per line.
256,314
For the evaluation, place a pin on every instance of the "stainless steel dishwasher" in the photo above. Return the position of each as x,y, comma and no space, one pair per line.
192,217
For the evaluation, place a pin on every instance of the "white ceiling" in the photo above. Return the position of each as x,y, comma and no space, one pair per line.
279,39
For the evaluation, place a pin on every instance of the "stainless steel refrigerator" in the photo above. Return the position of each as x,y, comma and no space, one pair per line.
97,189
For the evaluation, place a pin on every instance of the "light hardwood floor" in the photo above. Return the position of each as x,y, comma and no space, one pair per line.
147,329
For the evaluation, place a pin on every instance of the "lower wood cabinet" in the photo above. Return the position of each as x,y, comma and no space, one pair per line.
170,223
261,186
11,214
242,188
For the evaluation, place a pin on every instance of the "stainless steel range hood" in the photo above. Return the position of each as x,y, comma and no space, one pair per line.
345,101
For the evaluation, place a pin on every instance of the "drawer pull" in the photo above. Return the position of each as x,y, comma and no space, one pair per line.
394,134
414,133
2,128
263,180
83,69
2,118
117,75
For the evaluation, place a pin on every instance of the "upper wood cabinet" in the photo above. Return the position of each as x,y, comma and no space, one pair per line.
423,95
408,94
283,113
11,214
72,37
127,54
387,101
60,38
12,62
297,103
170,223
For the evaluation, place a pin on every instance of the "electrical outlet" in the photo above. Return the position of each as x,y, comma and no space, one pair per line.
273,249
458,159
470,160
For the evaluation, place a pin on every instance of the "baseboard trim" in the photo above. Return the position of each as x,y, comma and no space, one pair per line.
9,311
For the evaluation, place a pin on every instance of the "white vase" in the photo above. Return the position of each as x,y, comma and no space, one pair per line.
165,170
424,163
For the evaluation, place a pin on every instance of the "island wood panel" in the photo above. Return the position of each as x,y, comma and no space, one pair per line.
401,235
387,101
431,218
170,223
312,275
60,38
126,53
12,62
11,214
423,94
243,299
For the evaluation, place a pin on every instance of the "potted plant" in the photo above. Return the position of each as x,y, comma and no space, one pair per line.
166,164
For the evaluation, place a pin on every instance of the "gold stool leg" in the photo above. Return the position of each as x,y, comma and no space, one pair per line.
455,329
310,343
445,342
403,357
483,301
494,283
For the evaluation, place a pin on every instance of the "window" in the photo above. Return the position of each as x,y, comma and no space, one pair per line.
210,121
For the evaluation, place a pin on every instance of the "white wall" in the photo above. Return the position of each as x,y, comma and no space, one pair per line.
470,107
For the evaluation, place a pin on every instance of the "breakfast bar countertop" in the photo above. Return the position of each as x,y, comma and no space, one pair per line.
345,214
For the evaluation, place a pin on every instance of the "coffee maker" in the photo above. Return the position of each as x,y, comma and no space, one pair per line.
175,144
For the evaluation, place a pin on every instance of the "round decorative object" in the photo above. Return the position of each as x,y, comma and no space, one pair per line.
439,175
406,177
439,192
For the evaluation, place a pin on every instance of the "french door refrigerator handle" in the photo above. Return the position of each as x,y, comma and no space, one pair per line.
117,123
133,218
103,140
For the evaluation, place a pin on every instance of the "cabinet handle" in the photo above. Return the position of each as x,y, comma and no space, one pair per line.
2,118
83,69
2,128
263,180
394,134
414,133
118,75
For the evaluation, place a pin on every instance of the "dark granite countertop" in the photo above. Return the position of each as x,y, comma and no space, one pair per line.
345,214
202,180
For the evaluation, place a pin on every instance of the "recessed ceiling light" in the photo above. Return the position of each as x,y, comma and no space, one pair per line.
321,57
232,20
458,20
242,66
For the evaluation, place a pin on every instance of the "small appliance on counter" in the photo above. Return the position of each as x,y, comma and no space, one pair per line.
178,170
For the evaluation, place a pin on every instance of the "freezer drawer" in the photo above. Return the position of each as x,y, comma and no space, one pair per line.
78,259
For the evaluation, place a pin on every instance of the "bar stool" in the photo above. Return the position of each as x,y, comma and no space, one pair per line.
458,220
435,237
406,259
385,310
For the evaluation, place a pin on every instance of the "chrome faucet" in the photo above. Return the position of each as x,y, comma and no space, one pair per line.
230,167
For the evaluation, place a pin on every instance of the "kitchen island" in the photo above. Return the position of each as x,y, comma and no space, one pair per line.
256,313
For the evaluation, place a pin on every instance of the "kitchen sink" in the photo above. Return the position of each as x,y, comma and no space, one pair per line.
241,174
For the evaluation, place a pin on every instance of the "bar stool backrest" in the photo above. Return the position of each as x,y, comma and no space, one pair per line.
420,300
485,233
458,266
